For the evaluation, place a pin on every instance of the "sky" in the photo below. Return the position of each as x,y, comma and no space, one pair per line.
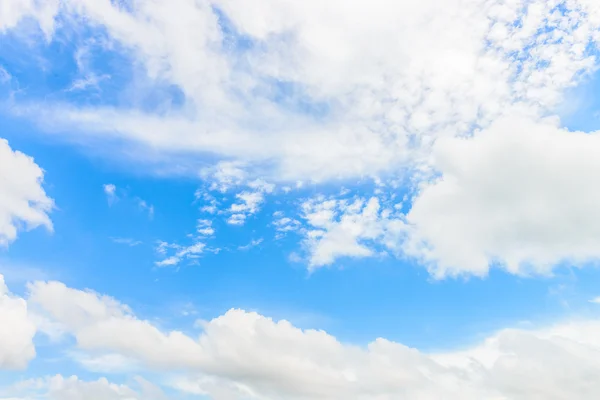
370,200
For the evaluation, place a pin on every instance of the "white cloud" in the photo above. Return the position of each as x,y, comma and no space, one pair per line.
72,388
144,206
182,253
253,243
204,227
248,204
316,97
520,194
87,79
284,225
59,387
244,355
110,191
344,228
105,363
595,300
225,175
13,11
23,202
16,331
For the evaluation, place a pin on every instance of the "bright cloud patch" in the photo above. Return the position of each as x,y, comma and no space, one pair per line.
244,355
349,228
16,331
520,194
293,93
437,115
23,202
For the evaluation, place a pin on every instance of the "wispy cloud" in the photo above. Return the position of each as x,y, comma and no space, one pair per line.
5,76
110,191
126,241
182,253
253,243
144,206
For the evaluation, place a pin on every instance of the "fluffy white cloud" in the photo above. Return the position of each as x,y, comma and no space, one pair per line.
13,11
310,96
348,228
520,194
23,202
16,331
248,203
244,355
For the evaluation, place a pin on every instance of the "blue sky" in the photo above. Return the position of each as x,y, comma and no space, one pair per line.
217,200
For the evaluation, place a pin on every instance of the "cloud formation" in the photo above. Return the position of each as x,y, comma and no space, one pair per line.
244,355
16,331
292,93
23,201
59,387
519,194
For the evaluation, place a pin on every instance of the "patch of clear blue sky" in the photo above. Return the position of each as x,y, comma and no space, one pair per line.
365,299
580,110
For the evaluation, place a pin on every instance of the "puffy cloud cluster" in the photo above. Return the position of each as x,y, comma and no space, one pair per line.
349,228
244,355
518,194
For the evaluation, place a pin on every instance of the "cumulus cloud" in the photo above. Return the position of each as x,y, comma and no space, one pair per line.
16,331
519,194
59,387
293,93
248,203
23,201
244,355
204,227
